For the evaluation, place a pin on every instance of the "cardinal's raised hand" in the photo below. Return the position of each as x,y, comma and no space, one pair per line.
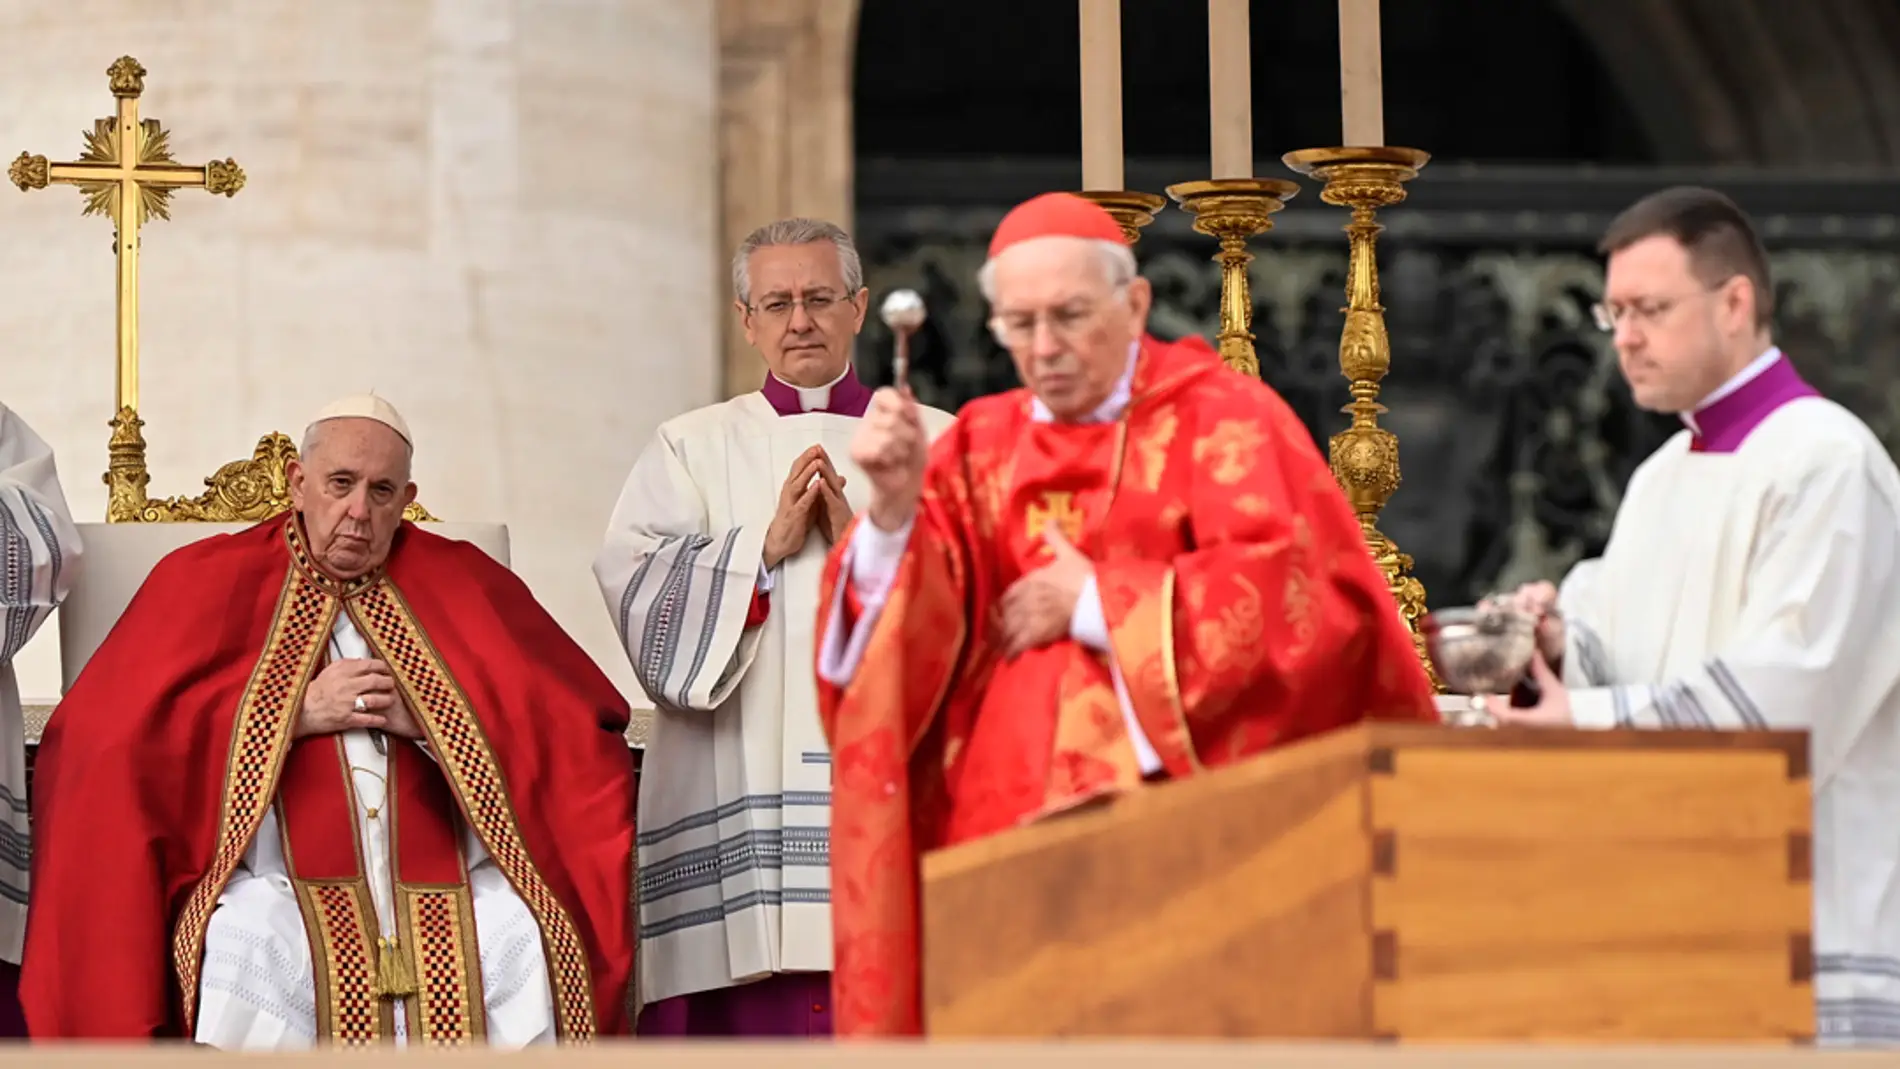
891,447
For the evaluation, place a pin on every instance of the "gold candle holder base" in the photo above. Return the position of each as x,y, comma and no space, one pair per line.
1235,210
1365,456
1131,209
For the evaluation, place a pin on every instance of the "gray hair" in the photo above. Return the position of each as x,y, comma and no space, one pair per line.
797,230
314,434
1117,260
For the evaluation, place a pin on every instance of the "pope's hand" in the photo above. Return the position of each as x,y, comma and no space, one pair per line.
796,498
402,720
329,702
1037,608
891,448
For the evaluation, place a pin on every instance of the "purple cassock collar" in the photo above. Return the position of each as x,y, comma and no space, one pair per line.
842,396
1721,424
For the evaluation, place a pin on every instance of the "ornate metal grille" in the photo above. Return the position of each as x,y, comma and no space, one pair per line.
1517,434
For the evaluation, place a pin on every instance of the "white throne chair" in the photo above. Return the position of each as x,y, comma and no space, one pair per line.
119,555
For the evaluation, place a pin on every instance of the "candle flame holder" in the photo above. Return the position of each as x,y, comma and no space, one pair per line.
1365,456
1131,209
1235,210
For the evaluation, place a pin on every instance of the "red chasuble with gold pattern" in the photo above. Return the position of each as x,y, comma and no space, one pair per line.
1243,609
159,765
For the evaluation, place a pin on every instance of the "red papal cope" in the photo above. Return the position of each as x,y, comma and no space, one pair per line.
161,763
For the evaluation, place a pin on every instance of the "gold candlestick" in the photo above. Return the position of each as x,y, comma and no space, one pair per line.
1235,210
1365,456
1132,210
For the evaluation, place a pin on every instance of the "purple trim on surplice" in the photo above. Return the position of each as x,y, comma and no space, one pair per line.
849,396
784,1004
1724,425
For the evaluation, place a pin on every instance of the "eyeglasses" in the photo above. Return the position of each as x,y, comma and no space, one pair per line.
1013,330
781,307
1643,312
1639,313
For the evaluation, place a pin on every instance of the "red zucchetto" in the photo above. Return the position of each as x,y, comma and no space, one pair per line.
1055,215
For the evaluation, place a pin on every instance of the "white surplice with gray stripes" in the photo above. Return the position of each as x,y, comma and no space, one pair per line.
39,555
1761,589
735,784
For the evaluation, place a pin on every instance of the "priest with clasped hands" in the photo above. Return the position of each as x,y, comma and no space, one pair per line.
1136,567
710,569
334,780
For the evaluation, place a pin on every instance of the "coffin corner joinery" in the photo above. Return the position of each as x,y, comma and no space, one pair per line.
1402,882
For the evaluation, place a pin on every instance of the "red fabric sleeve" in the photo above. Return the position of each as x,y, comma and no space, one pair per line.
875,726
1277,624
126,793
760,609
556,726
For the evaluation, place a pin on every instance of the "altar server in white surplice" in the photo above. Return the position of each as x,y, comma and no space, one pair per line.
1751,580
39,556
711,571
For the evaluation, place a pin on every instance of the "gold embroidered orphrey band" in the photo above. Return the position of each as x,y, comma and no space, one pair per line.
361,971
442,1005
429,921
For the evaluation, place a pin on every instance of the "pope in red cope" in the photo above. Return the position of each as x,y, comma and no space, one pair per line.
334,780
1137,566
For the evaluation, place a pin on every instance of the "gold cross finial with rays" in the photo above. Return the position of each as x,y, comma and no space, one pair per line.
127,172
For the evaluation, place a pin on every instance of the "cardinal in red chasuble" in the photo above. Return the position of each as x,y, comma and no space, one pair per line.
334,780
1138,566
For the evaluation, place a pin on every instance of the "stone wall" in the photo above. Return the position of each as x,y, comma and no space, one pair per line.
501,215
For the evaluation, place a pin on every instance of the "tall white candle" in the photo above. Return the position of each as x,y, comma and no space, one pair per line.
1230,88
1101,94
1361,78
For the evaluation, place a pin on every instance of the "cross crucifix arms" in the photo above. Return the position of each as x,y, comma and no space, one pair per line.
127,172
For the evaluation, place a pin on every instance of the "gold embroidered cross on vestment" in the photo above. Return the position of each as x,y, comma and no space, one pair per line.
1058,507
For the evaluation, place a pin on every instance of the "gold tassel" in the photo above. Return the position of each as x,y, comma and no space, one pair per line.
394,978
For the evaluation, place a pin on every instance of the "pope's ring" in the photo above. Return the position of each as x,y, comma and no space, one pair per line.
360,705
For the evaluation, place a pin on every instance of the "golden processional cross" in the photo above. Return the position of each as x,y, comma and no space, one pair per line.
127,172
